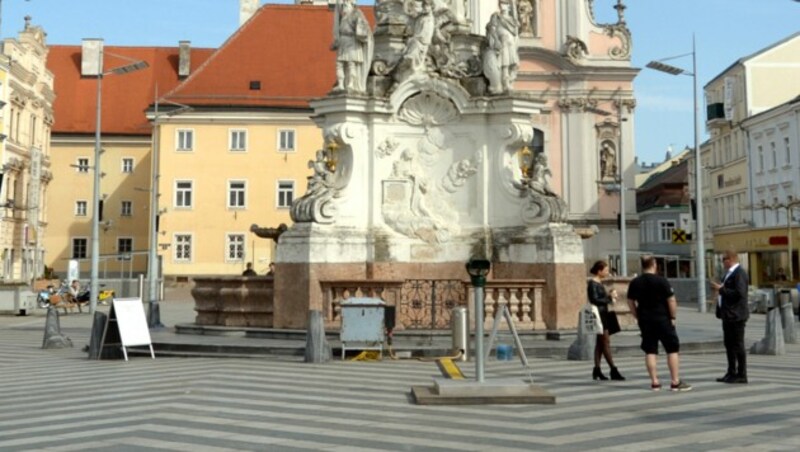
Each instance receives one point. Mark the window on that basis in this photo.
(286, 140)
(80, 208)
(760, 159)
(184, 140)
(79, 247)
(124, 248)
(238, 140)
(665, 229)
(236, 193)
(774, 155)
(183, 193)
(183, 247)
(126, 209)
(83, 165)
(720, 181)
(127, 165)
(285, 193)
(787, 151)
(234, 244)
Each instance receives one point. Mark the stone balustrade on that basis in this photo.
(524, 299)
(234, 301)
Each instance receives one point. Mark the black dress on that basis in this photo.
(600, 298)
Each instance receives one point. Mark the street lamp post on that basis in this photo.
(94, 290)
(698, 233)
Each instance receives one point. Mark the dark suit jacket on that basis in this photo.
(734, 297)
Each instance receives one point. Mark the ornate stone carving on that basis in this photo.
(526, 11)
(387, 148)
(353, 44)
(459, 172)
(578, 103)
(316, 206)
(628, 104)
(575, 49)
(269, 233)
(620, 31)
(501, 58)
(542, 205)
(608, 160)
(428, 109)
(413, 204)
(590, 8)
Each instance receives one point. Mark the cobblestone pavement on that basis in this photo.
(58, 400)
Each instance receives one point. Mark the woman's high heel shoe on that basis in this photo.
(615, 375)
(598, 375)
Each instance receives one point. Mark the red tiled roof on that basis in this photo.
(284, 47)
(125, 97)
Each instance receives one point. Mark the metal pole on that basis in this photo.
(153, 319)
(479, 333)
(698, 179)
(94, 286)
(623, 240)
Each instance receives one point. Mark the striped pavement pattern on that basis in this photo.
(57, 400)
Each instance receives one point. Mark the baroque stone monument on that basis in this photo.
(427, 163)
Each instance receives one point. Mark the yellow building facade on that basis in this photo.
(27, 90)
(218, 176)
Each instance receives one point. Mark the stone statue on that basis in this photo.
(416, 51)
(353, 43)
(527, 18)
(541, 175)
(608, 162)
(501, 60)
(316, 206)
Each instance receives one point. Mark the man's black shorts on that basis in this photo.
(654, 332)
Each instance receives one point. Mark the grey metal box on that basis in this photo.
(362, 324)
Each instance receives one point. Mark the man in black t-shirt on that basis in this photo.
(652, 302)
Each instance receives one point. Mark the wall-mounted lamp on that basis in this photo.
(525, 157)
(332, 156)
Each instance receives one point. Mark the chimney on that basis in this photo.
(91, 57)
(184, 58)
(246, 10)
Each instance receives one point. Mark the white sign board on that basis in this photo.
(73, 271)
(132, 321)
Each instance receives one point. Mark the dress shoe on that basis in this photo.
(597, 374)
(725, 378)
(735, 380)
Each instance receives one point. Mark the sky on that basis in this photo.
(725, 30)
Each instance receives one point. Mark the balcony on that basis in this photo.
(715, 115)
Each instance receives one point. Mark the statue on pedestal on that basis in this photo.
(501, 60)
(353, 44)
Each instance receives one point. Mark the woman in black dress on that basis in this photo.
(600, 298)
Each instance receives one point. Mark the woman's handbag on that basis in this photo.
(613, 323)
(591, 319)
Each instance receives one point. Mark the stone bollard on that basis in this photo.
(317, 348)
(52, 331)
(788, 324)
(772, 343)
(583, 347)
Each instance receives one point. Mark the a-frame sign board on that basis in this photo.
(126, 326)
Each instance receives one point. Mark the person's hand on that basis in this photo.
(715, 285)
(672, 321)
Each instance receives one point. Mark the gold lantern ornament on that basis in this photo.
(332, 156)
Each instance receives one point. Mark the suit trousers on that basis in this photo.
(733, 336)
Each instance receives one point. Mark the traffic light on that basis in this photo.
(694, 209)
(619, 221)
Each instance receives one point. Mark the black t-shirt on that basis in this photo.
(651, 293)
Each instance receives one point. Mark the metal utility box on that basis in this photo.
(16, 299)
(362, 324)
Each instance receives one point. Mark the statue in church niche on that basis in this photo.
(501, 60)
(608, 161)
(353, 44)
(527, 18)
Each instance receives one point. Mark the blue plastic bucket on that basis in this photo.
(504, 352)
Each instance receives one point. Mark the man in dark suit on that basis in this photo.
(733, 310)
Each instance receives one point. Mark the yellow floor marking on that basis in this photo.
(449, 369)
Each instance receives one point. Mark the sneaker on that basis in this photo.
(680, 387)
(655, 387)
